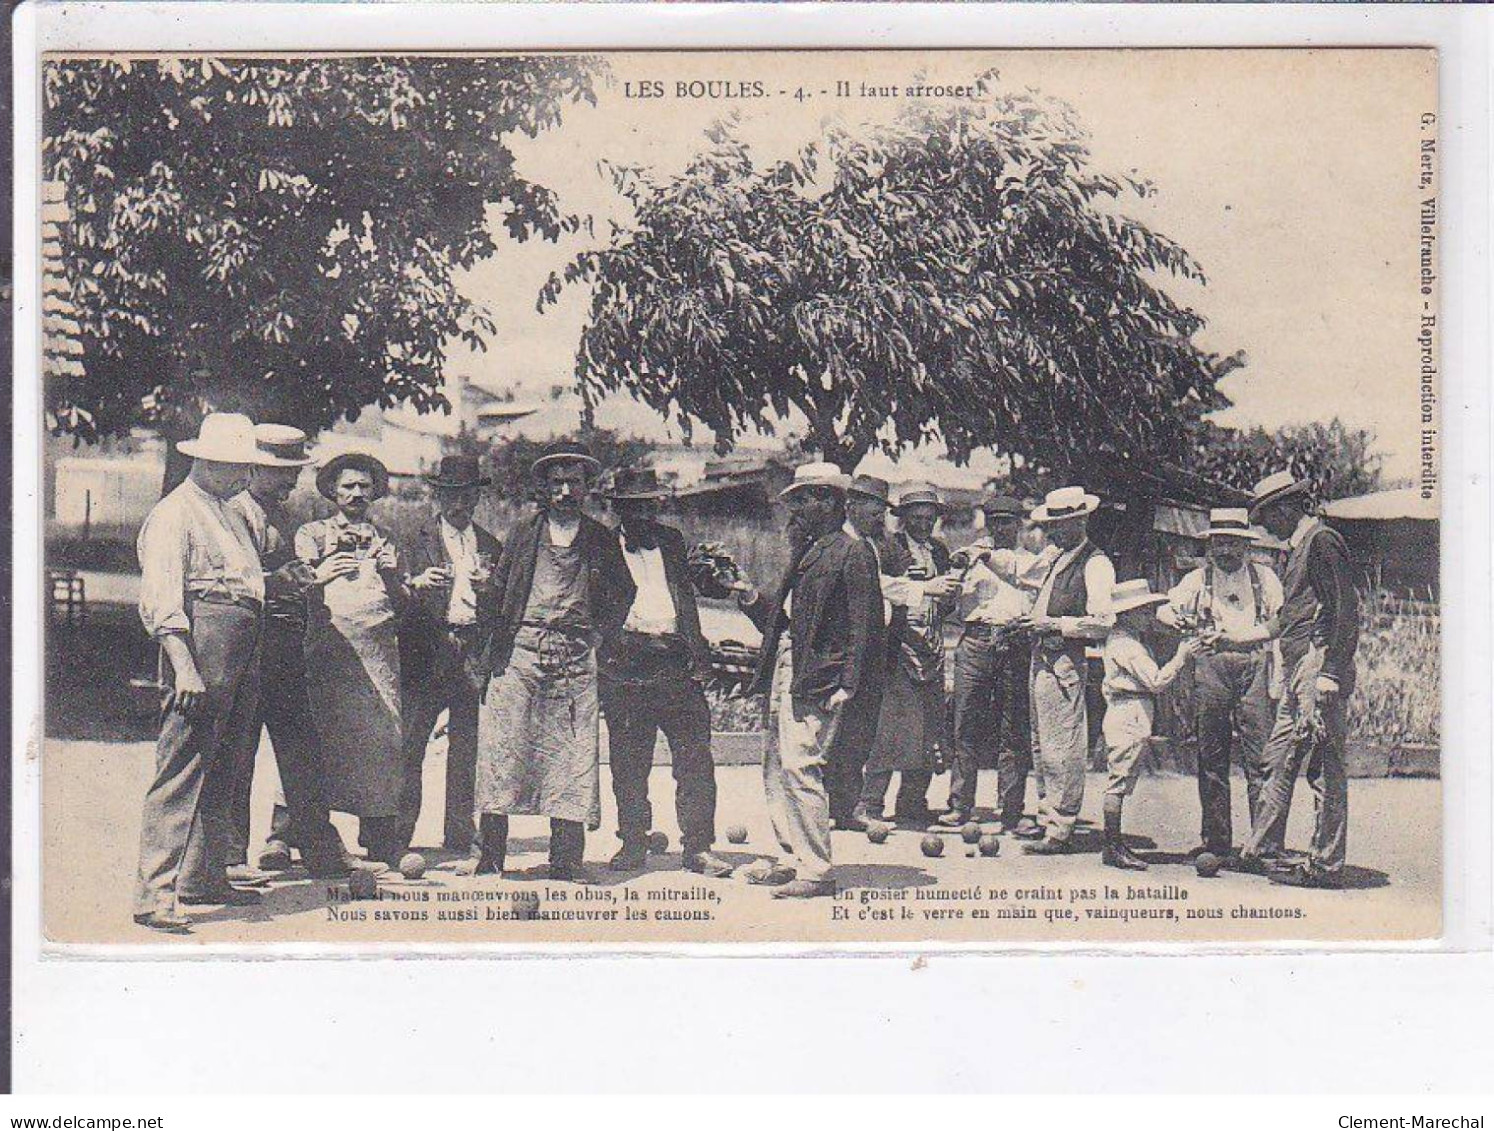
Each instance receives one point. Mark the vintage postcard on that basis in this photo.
(802, 497)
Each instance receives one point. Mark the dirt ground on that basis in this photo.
(889, 893)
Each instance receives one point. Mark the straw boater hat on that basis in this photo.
(328, 473)
(637, 483)
(1065, 503)
(564, 451)
(871, 487)
(280, 445)
(914, 493)
(1274, 488)
(1230, 522)
(458, 471)
(817, 475)
(1134, 594)
(223, 437)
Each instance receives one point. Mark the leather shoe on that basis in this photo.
(631, 857)
(1047, 847)
(766, 873)
(951, 820)
(1118, 855)
(1027, 829)
(167, 922)
(855, 823)
(478, 866)
(246, 876)
(805, 889)
(707, 864)
(228, 897)
(1306, 875)
(564, 873)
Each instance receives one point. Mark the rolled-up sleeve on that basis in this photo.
(163, 548)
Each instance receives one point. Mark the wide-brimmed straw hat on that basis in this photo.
(458, 471)
(913, 494)
(1230, 522)
(564, 451)
(818, 474)
(1134, 594)
(280, 445)
(1274, 488)
(223, 437)
(327, 474)
(1065, 503)
(636, 483)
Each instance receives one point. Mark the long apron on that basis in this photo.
(352, 657)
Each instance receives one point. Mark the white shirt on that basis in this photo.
(895, 590)
(563, 534)
(193, 540)
(1001, 588)
(653, 612)
(1233, 605)
(461, 548)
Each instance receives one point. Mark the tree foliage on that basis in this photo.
(961, 274)
(281, 235)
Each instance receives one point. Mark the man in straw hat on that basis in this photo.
(1133, 680)
(910, 727)
(1318, 630)
(202, 598)
(452, 609)
(992, 665)
(565, 591)
(1231, 689)
(300, 817)
(1071, 609)
(352, 650)
(830, 604)
(652, 679)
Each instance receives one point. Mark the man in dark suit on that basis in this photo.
(651, 678)
(441, 640)
(831, 605)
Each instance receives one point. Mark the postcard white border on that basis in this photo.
(49, 988)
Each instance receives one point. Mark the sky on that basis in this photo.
(1291, 176)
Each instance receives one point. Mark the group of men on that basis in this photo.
(348, 649)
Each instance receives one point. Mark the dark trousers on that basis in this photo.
(671, 702)
(185, 826)
(991, 712)
(284, 711)
(845, 761)
(1294, 747)
(447, 685)
(912, 792)
(1231, 692)
(567, 842)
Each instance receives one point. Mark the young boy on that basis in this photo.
(1132, 682)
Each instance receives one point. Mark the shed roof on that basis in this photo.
(1384, 506)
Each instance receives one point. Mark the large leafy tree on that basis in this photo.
(282, 235)
(961, 274)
